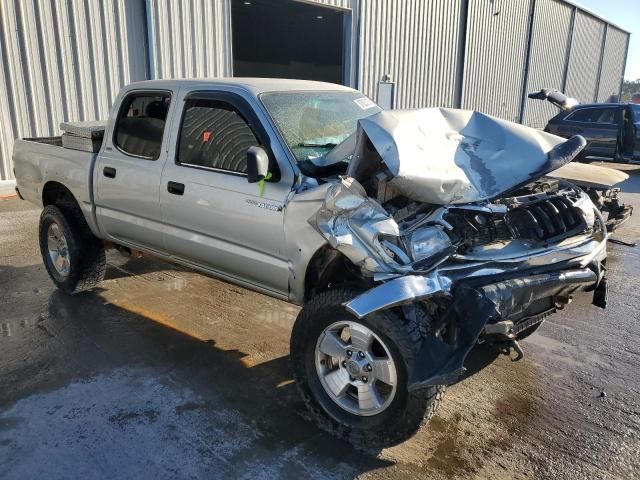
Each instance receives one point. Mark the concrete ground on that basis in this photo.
(165, 373)
(7, 188)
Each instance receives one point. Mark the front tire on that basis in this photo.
(362, 397)
(74, 258)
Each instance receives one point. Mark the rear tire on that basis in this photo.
(74, 258)
(402, 415)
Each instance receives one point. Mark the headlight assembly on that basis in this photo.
(428, 242)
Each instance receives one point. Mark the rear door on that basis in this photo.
(600, 126)
(128, 171)
(214, 218)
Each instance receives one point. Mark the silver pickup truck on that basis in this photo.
(408, 237)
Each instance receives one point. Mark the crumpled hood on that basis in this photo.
(445, 156)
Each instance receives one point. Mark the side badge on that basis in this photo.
(266, 206)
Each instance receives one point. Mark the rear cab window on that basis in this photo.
(140, 124)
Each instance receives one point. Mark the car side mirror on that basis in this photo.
(257, 164)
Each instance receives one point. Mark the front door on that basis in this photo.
(128, 170)
(214, 218)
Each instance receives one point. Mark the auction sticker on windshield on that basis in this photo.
(364, 103)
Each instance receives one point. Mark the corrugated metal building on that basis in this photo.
(66, 59)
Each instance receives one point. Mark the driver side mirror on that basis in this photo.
(257, 164)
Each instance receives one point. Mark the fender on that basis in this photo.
(399, 291)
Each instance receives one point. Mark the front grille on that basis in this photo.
(544, 219)
(479, 228)
(537, 217)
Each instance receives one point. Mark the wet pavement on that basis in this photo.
(165, 373)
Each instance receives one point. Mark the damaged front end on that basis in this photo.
(477, 250)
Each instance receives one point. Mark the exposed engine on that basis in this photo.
(418, 236)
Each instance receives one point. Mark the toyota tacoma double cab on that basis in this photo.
(407, 237)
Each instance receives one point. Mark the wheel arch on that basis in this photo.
(327, 268)
(54, 192)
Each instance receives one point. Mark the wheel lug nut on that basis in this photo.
(344, 363)
(365, 379)
(361, 355)
(349, 353)
(369, 367)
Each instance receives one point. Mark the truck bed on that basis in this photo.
(57, 141)
(39, 161)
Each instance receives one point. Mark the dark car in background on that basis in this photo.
(612, 130)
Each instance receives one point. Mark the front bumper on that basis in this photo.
(485, 292)
(407, 289)
(440, 362)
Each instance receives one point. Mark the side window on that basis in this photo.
(214, 135)
(594, 115)
(584, 115)
(606, 115)
(141, 123)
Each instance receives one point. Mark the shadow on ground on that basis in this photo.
(81, 344)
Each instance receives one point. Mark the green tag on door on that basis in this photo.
(261, 183)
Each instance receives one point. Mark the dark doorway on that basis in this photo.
(287, 39)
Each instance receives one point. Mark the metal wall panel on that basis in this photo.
(344, 4)
(189, 39)
(416, 43)
(549, 48)
(497, 34)
(613, 63)
(584, 59)
(64, 61)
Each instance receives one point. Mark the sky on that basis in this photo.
(625, 14)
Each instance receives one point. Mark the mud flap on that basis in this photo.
(440, 363)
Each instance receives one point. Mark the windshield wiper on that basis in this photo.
(317, 145)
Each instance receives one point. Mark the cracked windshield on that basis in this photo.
(314, 123)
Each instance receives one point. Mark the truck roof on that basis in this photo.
(254, 85)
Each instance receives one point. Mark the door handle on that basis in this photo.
(175, 188)
(109, 172)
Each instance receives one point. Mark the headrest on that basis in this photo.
(157, 109)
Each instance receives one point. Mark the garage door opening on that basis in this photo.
(288, 39)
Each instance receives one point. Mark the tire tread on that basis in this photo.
(88, 253)
(422, 404)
